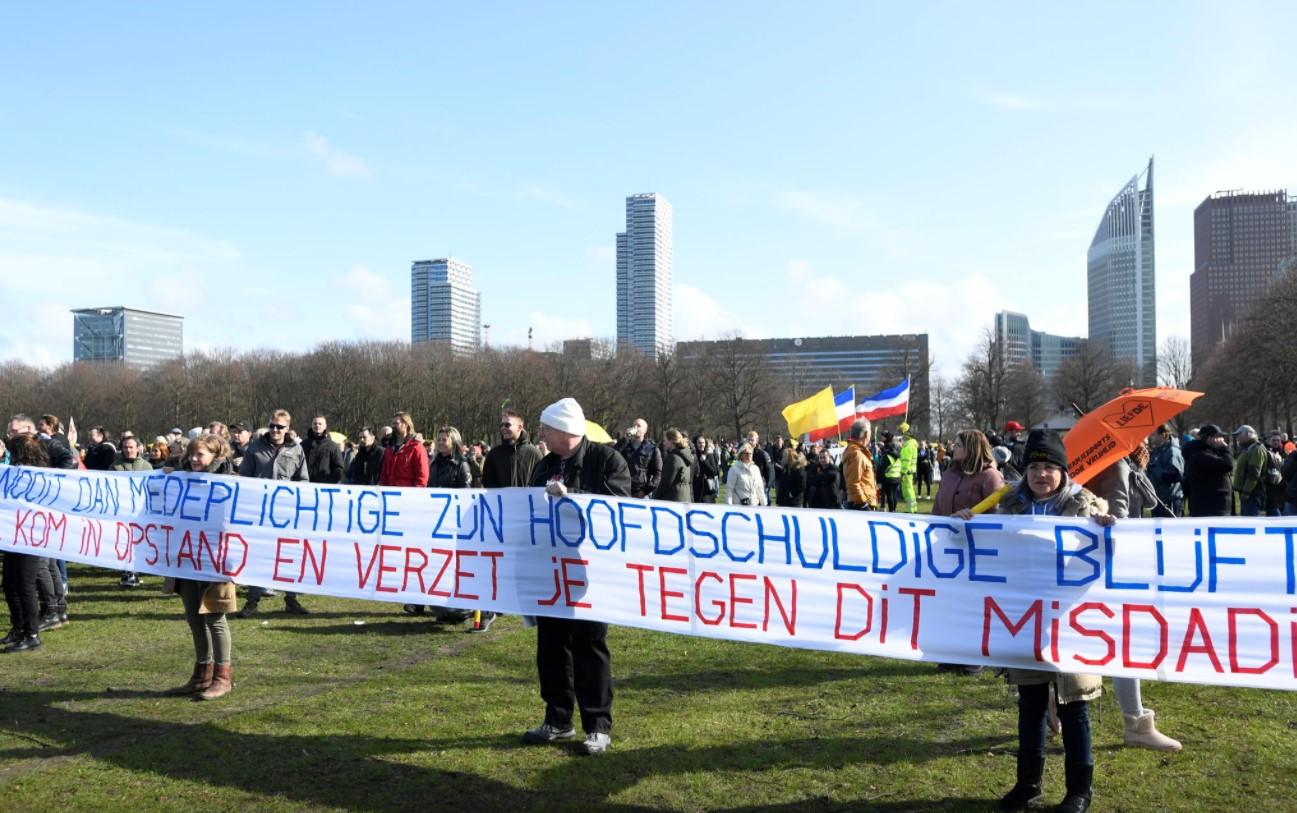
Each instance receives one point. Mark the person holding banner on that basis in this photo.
(1046, 489)
(572, 658)
(971, 478)
(21, 570)
(206, 603)
(274, 456)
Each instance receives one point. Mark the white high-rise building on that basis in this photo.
(644, 276)
(444, 305)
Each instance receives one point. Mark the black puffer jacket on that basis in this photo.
(449, 472)
(366, 465)
(824, 487)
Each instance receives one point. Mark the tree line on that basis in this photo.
(723, 393)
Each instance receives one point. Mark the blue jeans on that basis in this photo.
(1033, 707)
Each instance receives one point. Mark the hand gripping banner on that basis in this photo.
(1200, 601)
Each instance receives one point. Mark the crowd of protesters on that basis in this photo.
(1202, 473)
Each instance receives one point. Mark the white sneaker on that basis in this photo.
(595, 743)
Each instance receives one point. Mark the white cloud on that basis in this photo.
(851, 216)
(369, 301)
(699, 316)
(339, 163)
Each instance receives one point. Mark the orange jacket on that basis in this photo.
(858, 473)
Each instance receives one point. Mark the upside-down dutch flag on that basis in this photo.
(892, 401)
(844, 404)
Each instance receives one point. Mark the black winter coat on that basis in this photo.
(706, 467)
(366, 465)
(644, 465)
(592, 469)
(101, 456)
(323, 459)
(824, 487)
(792, 488)
(1208, 480)
(449, 472)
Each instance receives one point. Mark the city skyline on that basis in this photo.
(301, 186)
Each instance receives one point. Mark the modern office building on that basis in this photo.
(133, 337)
(644, 276)
(1242, 242)
(870, 363)
(444, 305)
(1120, 285)
(1045, 351)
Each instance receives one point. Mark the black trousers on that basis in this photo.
(19, 579)
(575, 669)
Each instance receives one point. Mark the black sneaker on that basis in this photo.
(249, 610)
(25, 645)
(292, 605)
(545, 732)
(484, 623)
(413, 609)
(63, 619)
(15, 635)
(49, 621)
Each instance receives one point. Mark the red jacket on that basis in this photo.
(406, 466)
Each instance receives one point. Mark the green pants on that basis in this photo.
(210, 630)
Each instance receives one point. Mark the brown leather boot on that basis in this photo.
(200, 680)
(221, 683)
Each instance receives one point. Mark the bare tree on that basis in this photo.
(1174, 363)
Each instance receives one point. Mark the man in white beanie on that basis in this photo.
(572, 656)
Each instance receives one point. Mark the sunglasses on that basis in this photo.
(276, 427)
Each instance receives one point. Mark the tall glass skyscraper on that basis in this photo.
(1120, 286)
(444, 305)
(644, 276)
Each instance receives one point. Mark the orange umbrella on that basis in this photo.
(1107, 434)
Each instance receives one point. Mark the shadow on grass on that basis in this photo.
(371, 627)
(367, 773)
(727, 679)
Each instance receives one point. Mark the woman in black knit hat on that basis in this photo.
(1046, 490)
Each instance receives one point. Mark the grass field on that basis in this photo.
(359, 708)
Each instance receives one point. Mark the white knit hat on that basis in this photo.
(565, 415)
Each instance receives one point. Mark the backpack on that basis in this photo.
(1271, 475)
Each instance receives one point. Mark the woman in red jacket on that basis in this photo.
(405, 463)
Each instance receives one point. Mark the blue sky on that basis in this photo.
(270, 170)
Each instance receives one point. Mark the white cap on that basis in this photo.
(565, 415)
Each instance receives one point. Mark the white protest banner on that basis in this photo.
(1203, 601)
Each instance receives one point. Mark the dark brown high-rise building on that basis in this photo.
(1241, 242)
